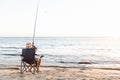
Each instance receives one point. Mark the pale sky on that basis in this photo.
(60, 17)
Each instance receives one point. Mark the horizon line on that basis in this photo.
(55, 36)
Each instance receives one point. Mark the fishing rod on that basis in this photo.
(35, 22)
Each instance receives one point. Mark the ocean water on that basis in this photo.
(65, 51)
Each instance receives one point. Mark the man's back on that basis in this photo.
(28, 55)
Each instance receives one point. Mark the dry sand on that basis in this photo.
(61, 74)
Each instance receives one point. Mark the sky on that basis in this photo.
(60, 18)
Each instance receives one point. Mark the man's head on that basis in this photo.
(29, 45)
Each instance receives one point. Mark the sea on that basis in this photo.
(98, 52)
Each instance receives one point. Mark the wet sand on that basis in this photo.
(58, 72)
(55, 73)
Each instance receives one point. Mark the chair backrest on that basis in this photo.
(28, 55)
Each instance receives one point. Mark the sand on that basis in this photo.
(12, 72)
(48, 73)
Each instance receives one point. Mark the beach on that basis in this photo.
(54, 73)
(10, 71)
(65, 58)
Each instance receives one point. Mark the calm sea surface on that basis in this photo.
(66, 51)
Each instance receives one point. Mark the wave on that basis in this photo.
(11, 54)
(100, 49)
(11, 47)
(77, 62)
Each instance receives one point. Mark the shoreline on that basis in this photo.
(17, 67)
(62, 67)
(6, 65)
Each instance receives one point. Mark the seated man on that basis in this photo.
(29, 54)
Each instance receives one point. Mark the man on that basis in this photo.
(30, 45)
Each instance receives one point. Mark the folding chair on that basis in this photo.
(28, 60)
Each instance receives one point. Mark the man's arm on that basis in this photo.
(35, 48)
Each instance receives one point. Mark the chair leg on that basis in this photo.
(21, 67)
(26, 68)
